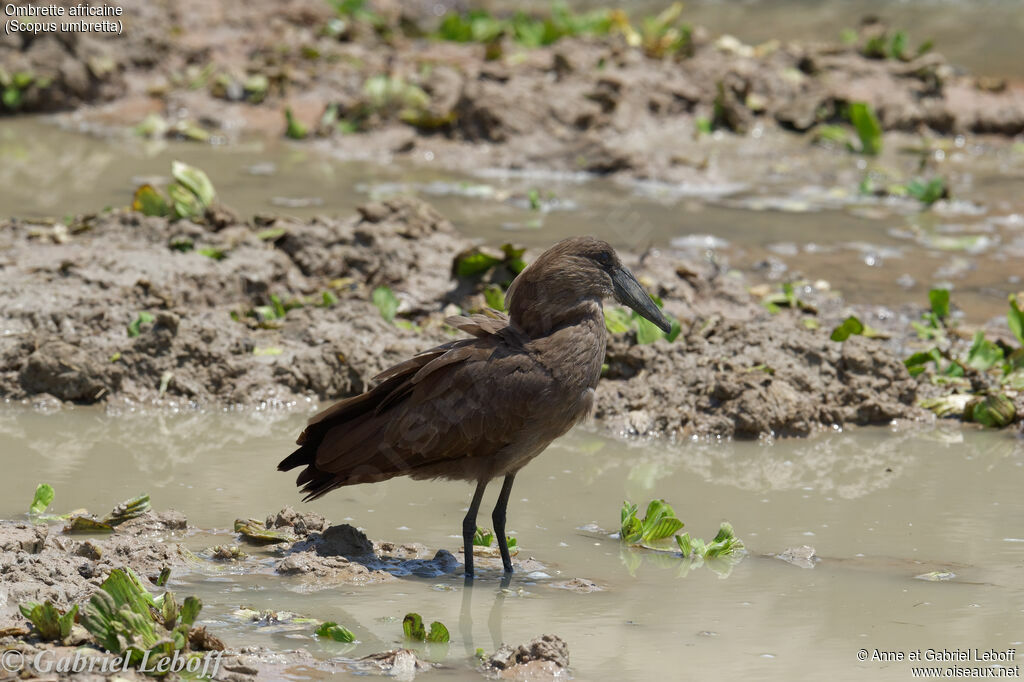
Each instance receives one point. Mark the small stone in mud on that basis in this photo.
(303, 523)
(89, 550)
(402, 664)
(803, 556)
(578, 585)
(544, 657)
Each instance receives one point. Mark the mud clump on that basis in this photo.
(343, 554)
(748, 379)
(735, 369)
(586, 103)
(542, 658)
(40, 563)
(201, 342)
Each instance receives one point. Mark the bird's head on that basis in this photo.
(572, 272)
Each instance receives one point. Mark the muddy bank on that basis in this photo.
(109, 309)
(590, 103)
(42, 563)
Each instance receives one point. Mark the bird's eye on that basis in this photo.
(604, 258)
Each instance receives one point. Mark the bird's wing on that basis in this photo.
(467, 398)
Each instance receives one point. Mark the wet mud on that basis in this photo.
(42, 562)
(593, 103)
(72, 294)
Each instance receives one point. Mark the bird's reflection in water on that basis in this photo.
(493, 620)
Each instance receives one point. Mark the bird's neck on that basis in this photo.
(541, 317)
(570, 343)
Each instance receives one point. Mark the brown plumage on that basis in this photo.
(482, 407)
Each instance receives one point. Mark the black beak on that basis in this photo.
(629, 292)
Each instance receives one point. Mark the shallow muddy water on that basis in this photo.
(880, 507)
(793, 212)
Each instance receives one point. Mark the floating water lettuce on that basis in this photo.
(126, 619)
(619, 320)
(256, 531)
(294, 128)
(475, 262)
(127, 510)
(1015, 318)
(333, 631)
(869, 130)
(483, 539)
(135, 326)
(49, 621)
(386, 302)
(725, 543)
(412, 626)
(659, 522)
(42, 499)
(188, 196)
(983, 354)
(994, 410)
(87, 524)
(852, 326)
(787, 298)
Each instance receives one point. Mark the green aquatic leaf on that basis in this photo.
(994, 410)
(42, 499)
(333, 631)
(898, 47)
(271, 234)
(85, 524)
(918, 362)
(412, 626)
(438, 633)
(184, 203)
(939, 300)
(847, 328)
(255, 531)
(195, 181)
(214, 252)
(474, 262)
(724, 543)
(294, 128)
(647, 331)
(386, 302)
(664, 528)
(127, 510)
(494, 296)
(148, 201)
(928, 192)
(1015, 319)
(617, 320)
(482, 537)
(983, 354)
(135, 327)
(48, 620)
(869, 130)
(948, 405)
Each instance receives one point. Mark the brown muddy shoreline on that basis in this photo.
(591, 103)
(40, 562)
(71, 294)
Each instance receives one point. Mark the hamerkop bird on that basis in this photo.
(479, 408)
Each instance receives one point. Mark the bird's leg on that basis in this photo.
(498, 518)
(469, 527)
